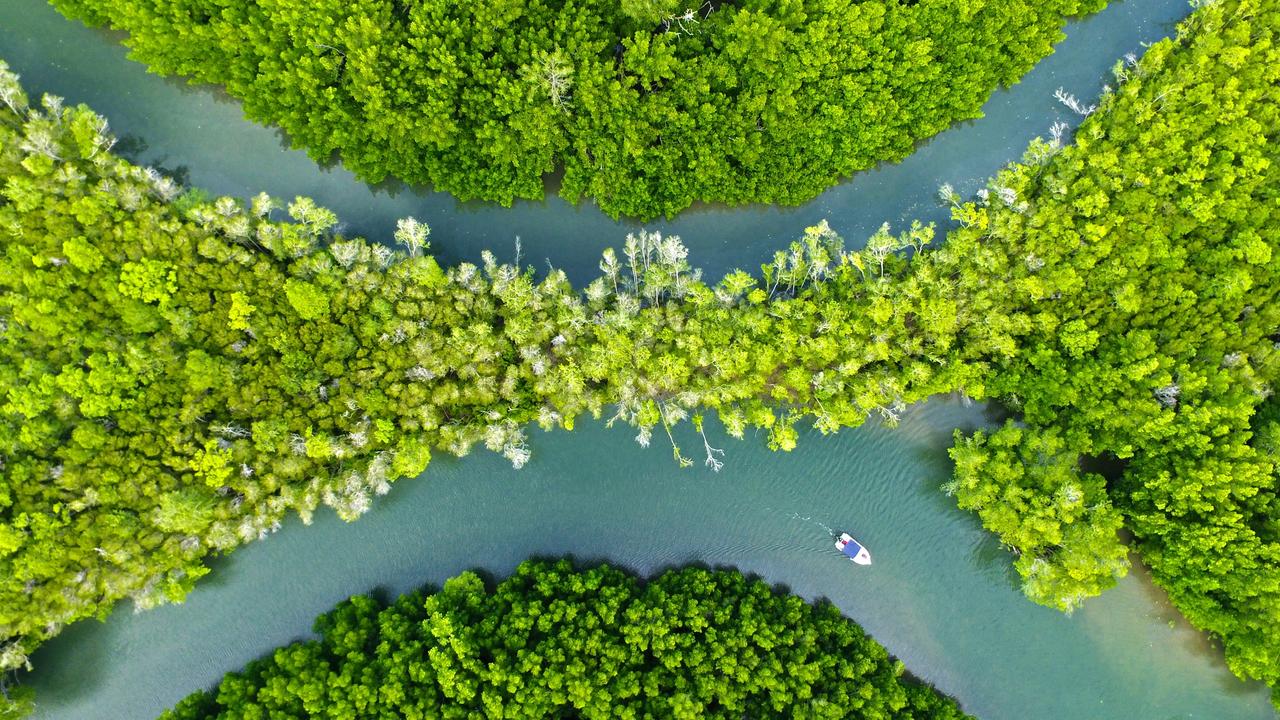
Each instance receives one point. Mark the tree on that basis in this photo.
(646, 106)
(552, 640)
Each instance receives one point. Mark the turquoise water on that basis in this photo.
(201, 132)
(940, 596)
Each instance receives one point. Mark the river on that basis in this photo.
(941, 596)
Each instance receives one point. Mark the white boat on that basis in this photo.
(852, 549)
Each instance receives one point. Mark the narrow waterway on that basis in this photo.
(941, 595)
(200, 133)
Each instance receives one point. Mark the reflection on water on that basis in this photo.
(941, 595)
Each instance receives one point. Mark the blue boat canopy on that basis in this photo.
(852, 548)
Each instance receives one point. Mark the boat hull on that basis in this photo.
(852, 549)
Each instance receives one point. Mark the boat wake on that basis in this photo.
(811, 521)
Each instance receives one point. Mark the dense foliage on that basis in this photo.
(1138, 269)
(1026, 486)
(554, 642)
(645, 105)
(179, 373)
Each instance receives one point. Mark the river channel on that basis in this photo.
(941, 595)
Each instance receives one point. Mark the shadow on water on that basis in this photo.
(222, 569)
(987, 555)
(1110, 467)
(83, 671)
(131, 147)
(996, 414)
(938, 463)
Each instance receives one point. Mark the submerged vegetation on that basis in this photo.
(182, 373)
(644, 105)
(552, 641)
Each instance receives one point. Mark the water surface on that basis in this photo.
(201, 132)
(940, 595)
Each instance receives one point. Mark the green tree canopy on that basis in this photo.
(646, 106)
(1137, 277)
(552, 641)
(181, 373)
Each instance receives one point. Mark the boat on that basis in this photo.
(852, 549)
